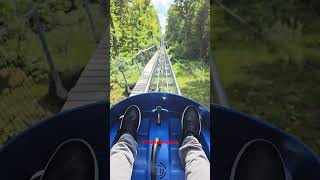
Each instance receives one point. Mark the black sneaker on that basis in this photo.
(258, 160)
(130, 122)
(190, 122)
(74, 159)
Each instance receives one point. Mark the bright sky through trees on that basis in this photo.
(162, 7)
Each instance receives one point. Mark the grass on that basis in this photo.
(20, 108)
(286, 95)
(116, 93)
(194, 80)
(117, 82)
(71, 45)
(230, 60)
(266, 84)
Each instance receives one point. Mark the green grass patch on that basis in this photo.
(278, 82)
(287, 95)
(20, 108)
(194, 80)
(117, 81)
(230, 61)
(70, 44)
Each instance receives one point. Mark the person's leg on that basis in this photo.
(192, 156)
(123, 152)
(122, 157)
(195, 161)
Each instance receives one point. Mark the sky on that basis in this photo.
(162, 7)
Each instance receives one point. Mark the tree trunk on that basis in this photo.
(60, 90)
(115, 41)
(103, 5)
(93, 28)
(107, 36)
(121, 9)
(186, 27)
(220, 95)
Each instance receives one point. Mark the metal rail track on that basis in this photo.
(158, 75)
(163, 77)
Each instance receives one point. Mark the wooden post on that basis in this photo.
(121, 68)
(60, 90)
(94, 32)
(221, 96)
(103, 6)
(137, 63)
(115, 41)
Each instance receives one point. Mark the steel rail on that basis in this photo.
(173, 74)
(147, 88)
(162, 77)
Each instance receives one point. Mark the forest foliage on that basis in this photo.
(283, 26)
(25, 83)
(134, 26)
(19, 44)
(267, 54)
(187, 39)
(188, 29)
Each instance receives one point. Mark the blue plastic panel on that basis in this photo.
(30, 151)
(170, 129)
(233, 129)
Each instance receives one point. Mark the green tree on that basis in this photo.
(135, 25)
(188, 28)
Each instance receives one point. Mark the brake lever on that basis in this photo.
(158, 109)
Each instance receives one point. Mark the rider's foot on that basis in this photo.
(258, 159)
(190, 122)
(130, 122)
(73, 160)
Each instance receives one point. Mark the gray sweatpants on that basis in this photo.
(193, 158)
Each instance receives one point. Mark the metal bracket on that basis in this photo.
(158, 109)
